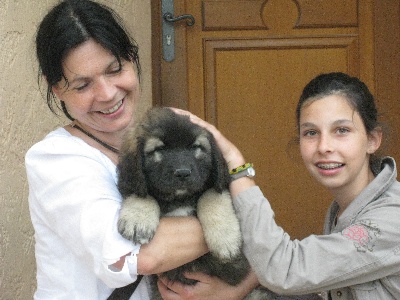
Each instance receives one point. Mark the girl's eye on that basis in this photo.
(342, 130)
(309, 133)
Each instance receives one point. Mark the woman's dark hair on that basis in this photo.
(351, 88)
(71, 23)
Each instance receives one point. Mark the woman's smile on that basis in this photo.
(112, 109)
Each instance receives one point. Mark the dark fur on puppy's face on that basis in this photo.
(178, 160)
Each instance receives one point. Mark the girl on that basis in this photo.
(358, 255)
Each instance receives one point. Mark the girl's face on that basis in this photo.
(335, 146)
(100, 94)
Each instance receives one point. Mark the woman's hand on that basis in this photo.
(207, 288)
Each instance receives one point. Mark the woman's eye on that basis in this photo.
(115, 70)
(81, 87)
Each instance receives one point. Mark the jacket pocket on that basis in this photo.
(370, 291)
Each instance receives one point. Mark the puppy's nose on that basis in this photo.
(182, 173)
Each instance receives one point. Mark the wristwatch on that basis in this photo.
(245, 170)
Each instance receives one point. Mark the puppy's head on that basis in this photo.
(169, 157)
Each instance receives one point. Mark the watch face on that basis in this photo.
(251, 172)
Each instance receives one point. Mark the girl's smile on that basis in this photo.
(329, 168)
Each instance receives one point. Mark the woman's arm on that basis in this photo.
(178, 240)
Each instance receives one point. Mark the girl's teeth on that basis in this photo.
(329, 166)
(112, 109)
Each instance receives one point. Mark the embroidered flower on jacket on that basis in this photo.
(363, 235)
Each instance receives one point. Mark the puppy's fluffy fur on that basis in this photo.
(172, 167)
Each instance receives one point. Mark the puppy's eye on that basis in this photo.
(155, 150)
(198, 151)
(197, 147)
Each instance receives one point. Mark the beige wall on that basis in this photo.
(25, 119)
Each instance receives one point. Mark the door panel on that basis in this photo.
(239, 14)
(251, 94)
(243, 66)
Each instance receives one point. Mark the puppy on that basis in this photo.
(172, 167)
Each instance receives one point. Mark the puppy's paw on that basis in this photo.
(220, 224)
(139, 218)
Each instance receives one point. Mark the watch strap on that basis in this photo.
(245, 170)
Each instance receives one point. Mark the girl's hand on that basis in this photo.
(231, 153)
(207, 288)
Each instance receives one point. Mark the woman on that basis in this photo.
(358, 255)
(91, 65)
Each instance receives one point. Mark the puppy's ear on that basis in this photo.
(220, 171)
(131, 178)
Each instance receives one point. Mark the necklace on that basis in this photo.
(95, 138)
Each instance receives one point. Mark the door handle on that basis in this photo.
(170, 18)
(168, 30)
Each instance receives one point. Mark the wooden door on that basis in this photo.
(242, 66)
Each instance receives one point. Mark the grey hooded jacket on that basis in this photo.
(356, 258)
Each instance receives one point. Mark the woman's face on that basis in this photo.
(334, 144)
(100, 94)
